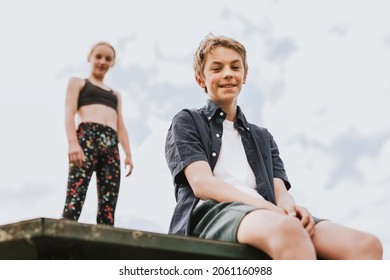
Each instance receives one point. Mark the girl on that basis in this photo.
(94, 145)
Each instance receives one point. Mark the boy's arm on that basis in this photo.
(206, 186)
(286, 202)
(283, 198)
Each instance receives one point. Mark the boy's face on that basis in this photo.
(224, 75)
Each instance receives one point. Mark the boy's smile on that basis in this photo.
(229, 85)
(224, 75)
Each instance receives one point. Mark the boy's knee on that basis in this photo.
(282, 237)
(371, 248)
(292, 240)
(290, 227)
(365, 247)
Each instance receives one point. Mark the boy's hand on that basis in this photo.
(306, 219)
(303, 215)
(290, 210)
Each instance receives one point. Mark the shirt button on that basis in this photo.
(209, 118)
(221, 114)
(247, 128)
(217, 135)
(214, 154)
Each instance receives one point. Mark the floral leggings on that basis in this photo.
(100, 146)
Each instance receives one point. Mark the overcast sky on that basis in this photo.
(318, 80)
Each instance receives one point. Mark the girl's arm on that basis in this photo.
(75, 153)
(124, 138)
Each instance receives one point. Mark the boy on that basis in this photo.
(230, 183)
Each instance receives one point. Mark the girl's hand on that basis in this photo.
(129, 164)
(75, 154)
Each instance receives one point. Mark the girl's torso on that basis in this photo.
(96, 104)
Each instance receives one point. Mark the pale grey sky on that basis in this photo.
(318, 80)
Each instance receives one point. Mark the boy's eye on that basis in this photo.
(99, 56)
(215, 68)
(108, 58)
(236, 67)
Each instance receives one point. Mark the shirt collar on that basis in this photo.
(212, 108)
(241, 120)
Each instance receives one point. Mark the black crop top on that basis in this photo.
(91, 94)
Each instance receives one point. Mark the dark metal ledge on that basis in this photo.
(44, 238)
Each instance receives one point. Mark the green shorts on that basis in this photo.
(220, 221)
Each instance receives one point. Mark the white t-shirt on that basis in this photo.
(232, 165)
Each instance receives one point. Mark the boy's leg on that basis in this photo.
(280, 236)
(334, 241)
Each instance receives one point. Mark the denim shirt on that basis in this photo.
(196, 135)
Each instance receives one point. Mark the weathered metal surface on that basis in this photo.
(45, 238)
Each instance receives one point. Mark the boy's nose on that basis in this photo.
(227, 75)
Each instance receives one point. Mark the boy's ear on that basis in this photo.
(244, 80)
(200, 81)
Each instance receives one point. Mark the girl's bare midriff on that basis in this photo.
(98, 113)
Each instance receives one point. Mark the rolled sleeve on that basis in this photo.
(183, 145)
(277, 163)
